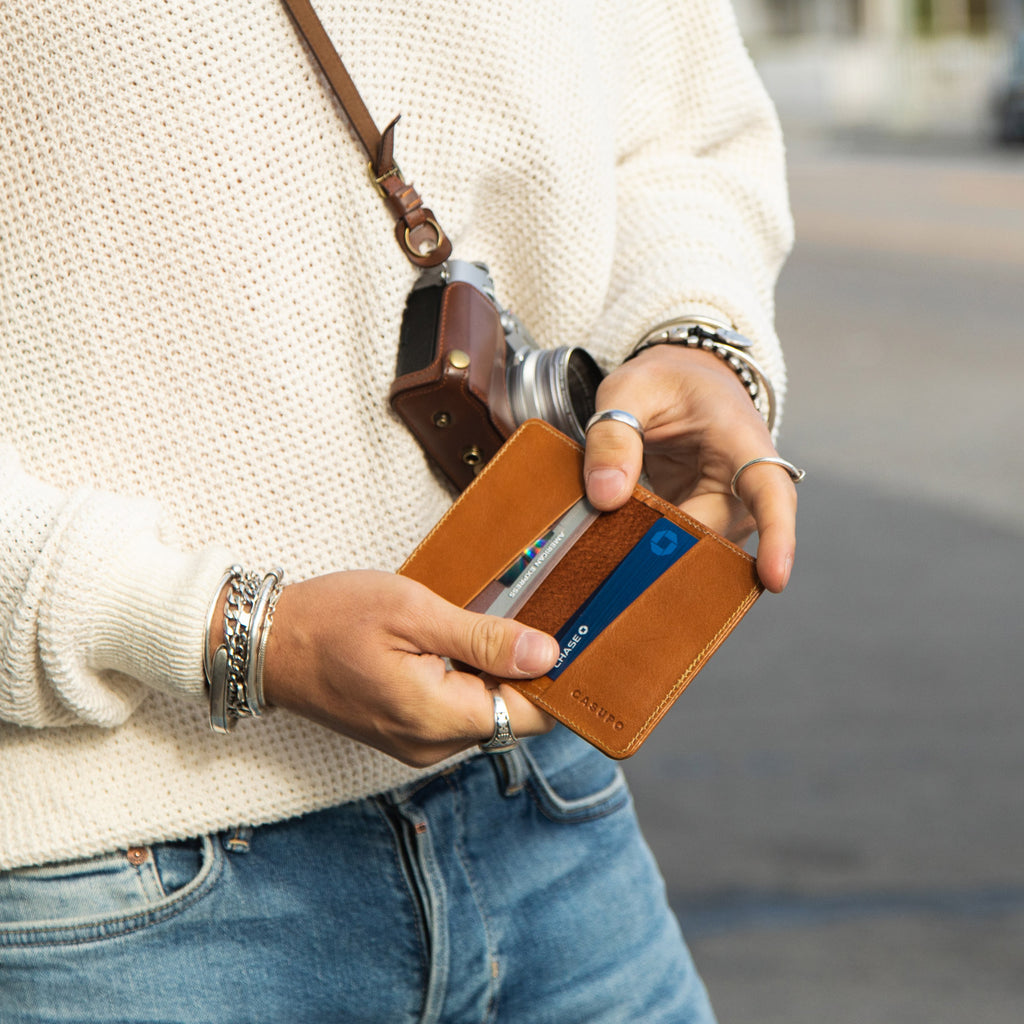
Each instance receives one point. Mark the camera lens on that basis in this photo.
(583, 376)
(558, 385)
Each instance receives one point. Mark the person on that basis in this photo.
(200, 301)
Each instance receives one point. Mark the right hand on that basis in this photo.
(700, 427)
(363, 653)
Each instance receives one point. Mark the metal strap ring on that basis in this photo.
(429, 245)
(796, 475)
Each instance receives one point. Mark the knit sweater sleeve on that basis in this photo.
(94, 608)
(703, 222)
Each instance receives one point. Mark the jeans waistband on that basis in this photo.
(512, 768)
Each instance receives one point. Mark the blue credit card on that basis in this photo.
(659, 549)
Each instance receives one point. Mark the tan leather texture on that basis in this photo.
(417, 231)
(621, 685)
(469, 398)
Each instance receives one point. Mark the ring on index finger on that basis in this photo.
(796, 475)
(619, 416)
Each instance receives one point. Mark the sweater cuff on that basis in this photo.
(122, 608)
(150, 606)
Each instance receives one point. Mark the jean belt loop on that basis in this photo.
(238, 839)
(513, 770)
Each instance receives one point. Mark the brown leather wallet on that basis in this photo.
(627, 676)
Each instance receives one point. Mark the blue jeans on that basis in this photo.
(512, 888)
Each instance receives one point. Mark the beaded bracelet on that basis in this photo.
(724, 342)
(234, 673)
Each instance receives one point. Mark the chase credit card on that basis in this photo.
(658, 550)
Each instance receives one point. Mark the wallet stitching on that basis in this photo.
(656, 501)
(741, 609)
(496, 458)
(581, 726)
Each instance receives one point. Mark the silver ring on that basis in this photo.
(796, 475)
(620, 416)
(504, 738)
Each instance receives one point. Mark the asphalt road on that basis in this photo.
(837, 802)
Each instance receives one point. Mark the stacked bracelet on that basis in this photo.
(723, 341)
(234, 673)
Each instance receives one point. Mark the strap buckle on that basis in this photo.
(394, 171)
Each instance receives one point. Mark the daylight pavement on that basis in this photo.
(838, 800)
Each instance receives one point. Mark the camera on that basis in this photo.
(469, 372)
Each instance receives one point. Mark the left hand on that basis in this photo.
(700, 426)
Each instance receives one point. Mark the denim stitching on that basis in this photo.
(605, 801)
(107, 928)
(148, 868)
(420, 912)
(491, 1011)
(601, 811)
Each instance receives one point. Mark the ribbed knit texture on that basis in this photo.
(200, 299)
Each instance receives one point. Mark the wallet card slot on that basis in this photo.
(591, 561)
(519, 494)
(659, 549)
(615, 692)
(508, 593)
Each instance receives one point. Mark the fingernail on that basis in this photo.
(605, 485)
(534, 653)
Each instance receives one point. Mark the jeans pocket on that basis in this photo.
(101, 897)
(571, 781)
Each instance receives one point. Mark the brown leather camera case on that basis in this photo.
(619, 687)
(453, 406)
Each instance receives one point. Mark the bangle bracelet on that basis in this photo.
(215, 666)
(262, 617)
(234, 673)
(724, 342)
(211, 612)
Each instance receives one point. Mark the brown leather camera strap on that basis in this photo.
(419, 235)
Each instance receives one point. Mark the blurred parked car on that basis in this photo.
(1009, 99)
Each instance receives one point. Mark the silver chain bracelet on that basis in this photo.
(724, 342)
(234, 673)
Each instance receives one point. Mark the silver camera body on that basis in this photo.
(469, 372)
(558, 385)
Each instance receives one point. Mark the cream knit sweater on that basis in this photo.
(200, 297)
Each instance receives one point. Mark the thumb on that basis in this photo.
(612, 463)
(500, 647)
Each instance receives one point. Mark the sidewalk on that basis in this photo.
(837, 801)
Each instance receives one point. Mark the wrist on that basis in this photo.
(237, 630)
(701, 333)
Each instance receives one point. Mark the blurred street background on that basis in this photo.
(838, 800)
